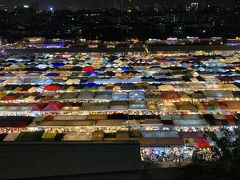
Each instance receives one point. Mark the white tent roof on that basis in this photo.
(73, 136)
(11, 137)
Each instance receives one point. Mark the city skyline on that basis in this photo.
(81, 4)
(120, 89)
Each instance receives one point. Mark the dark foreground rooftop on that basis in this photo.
(51, 160)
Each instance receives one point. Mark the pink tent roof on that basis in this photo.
(197, 135)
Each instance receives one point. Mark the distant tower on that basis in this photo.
(9, 5)
(237, 6)
(3, 7)
(120, 5)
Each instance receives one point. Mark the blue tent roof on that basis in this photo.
(90, 85)
(90, 72)
(124, 69)
(57, 65)
(52, 74)
(45, 81)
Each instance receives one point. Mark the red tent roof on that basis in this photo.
(53, 106)
(202, 143)
(88, 68)
(222, 105)
(230, 117)
(164, 61)
(38, 106)
(205, 107)
(10, 97)
(16, 123)
(52, 87)
(49, 118)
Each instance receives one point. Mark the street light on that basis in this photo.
(51, 9)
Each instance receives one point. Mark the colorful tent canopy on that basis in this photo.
(29, 136)
(91, 85)
(58, 65)
(38, 106)
(48, 136)
(10, 97)
(197, 135)
(201, 143)
(14, 123)
(53, 106)
(52, 74)
(52, 88)
(169, 95)
(88, 69)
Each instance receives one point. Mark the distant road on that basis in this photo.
(195, 48)
(137, 49)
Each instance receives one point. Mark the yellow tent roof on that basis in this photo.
(142, 84)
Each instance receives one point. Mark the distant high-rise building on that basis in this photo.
(120, 5)
(237, 6)
(72, 8)
(194, 6)
(3, 7)
(188, 8)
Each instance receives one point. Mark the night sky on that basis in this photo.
(79, 4)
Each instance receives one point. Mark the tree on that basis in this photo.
(225, 162)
